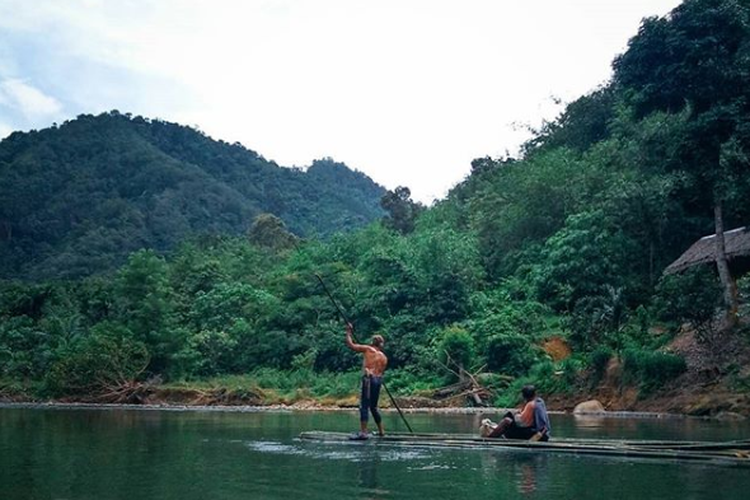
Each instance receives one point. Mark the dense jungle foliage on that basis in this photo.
(76, 199)
(570, 241)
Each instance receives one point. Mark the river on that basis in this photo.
(77, 454)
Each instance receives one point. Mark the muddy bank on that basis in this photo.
(305, 406)
(705, 400)
(715, 406)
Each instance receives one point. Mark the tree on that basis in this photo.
(696, 59)
(456, 349)
(402, 211)
(584, 122)
(76, 200)
(271, 232)
(145, 305)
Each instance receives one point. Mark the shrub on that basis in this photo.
(651, 369)
(457, 346)
(598, 359)
(108, 357)
(661, 367)
(743, 289)
(24, 348)
(690, 297)
(406, 382)
(511, 354)
(571, 373)
(304, 382)
(305, 360)
(508, 325)
(547, 377)
(213, 352)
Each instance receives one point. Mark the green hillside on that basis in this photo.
(564, 246)
(78, 198)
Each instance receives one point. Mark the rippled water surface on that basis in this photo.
(132, 454)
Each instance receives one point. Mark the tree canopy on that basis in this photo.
(78, 198)
(568, 241)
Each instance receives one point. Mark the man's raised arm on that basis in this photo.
(350, 343)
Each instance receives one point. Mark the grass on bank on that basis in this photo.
(274, 386)
(17, 390)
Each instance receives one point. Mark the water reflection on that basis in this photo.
(196, 455)
(368, 480)
(527, 471)
(527, 483)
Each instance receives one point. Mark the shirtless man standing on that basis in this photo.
(373, 364)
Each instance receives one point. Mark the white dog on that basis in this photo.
(486, 427)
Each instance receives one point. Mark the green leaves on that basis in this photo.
(651, 369)
(269, 231)
(695, 55)
(690, 297)
(103, 361)
(569, 240)
(145, 304)
(456, 349)
(402, 211)
(76, 200)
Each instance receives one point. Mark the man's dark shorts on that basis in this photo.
(368, 402)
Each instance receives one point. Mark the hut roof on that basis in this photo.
(702, 251)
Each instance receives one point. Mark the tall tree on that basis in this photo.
(697, 59)
(402, 210)
(270, 231)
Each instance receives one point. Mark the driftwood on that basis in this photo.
(222, 396)
(130, 392)
(7, 394)
(124, 388)
(468, 386)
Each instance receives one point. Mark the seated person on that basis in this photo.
(532, 422)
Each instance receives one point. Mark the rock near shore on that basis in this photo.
(591, 406)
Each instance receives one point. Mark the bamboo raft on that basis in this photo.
(726, 452)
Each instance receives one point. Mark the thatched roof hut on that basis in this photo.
(703, 251)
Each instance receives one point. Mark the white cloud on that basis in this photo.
(30, 101)
(5, 131)
(407, 91)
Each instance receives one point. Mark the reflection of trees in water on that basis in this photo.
(368, 480)
(524, 472)
(614, 427)
(609, 426)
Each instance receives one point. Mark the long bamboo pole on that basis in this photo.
(346, 320)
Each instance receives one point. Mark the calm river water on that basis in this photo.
(150, 454)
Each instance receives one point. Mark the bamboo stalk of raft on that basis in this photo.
(732, 452)
(593, 447)
(336, 436)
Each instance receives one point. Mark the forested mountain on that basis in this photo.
(78, 198)
(566, 244)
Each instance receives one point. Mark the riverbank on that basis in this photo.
(716, 404)
(708, 388)
(305, 407)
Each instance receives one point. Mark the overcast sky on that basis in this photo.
(407, 91)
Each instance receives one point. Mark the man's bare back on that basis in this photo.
(374, 360)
